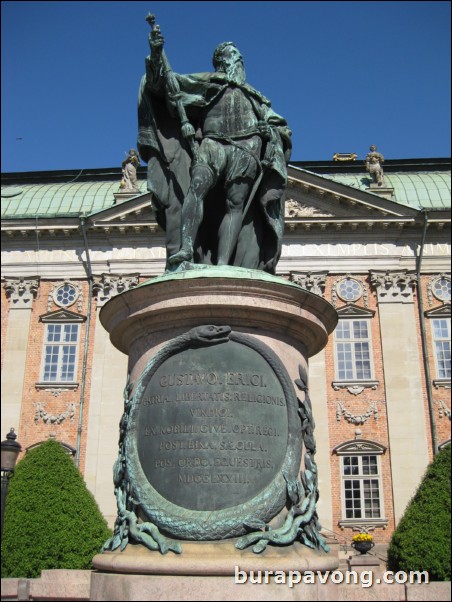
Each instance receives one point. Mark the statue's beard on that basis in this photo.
(236, 73)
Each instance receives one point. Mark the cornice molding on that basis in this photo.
(61, 316)
(359, 446)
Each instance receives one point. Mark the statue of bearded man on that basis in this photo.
(225, 204)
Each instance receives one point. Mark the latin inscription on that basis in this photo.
(213, 427)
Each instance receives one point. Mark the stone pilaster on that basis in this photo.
(318, 392)
(314, 282)
(109, 375)
(403, 377)
(20, 292)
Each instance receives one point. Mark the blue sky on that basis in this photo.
(345, 75)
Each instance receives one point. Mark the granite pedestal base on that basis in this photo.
(205, 571)
(219, 558)
(238, 401)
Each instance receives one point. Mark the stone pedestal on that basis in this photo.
(207, 571)
(219, 558)
(142, 319)
(364, 562)
(214, 434)
(383, 191)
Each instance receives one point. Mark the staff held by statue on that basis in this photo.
(173, 90)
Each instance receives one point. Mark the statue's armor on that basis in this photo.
(232, 114)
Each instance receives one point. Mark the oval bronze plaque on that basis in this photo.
(213, 430)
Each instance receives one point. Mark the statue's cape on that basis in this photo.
(161, 145)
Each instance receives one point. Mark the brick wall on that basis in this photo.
(373, 429)
(34, 428)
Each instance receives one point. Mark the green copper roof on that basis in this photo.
(49, 200)
(421, 190)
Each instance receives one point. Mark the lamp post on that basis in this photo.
(10, 450)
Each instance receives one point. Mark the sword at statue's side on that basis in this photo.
(173, 89)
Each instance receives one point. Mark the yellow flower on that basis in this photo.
(362, 537)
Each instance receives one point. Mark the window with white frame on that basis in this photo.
(353, 349)
(60, 352)
(441, 346)
(361, 487)
(361, 484)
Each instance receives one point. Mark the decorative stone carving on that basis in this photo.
(108, 286)
(295, 208)
(441, 383)
(394, 287)
(443, 410)
(54, 296)
(21, 291)
(349, 448)
(314, 282)
(47, 418)
(439, 287)
(337, 283)
(355, 388)
(363, 527)
(341, 410)
(56, 389)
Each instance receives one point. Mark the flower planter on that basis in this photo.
(362, 546)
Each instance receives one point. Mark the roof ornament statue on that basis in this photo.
(129, 181)
(373, 162)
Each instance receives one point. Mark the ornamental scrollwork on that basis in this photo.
(127, 527)
(314, 282)
(65, 294)
(394, 287)
(108, 286)
(336, 293)
(443, 410)
(49, 418)
(301, 523)
(356, 419)
(439, 288)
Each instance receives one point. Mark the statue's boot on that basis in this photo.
(180, 257)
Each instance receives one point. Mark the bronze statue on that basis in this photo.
(217, 156)
(373, 166)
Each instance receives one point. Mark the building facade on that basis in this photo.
(379, 253)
